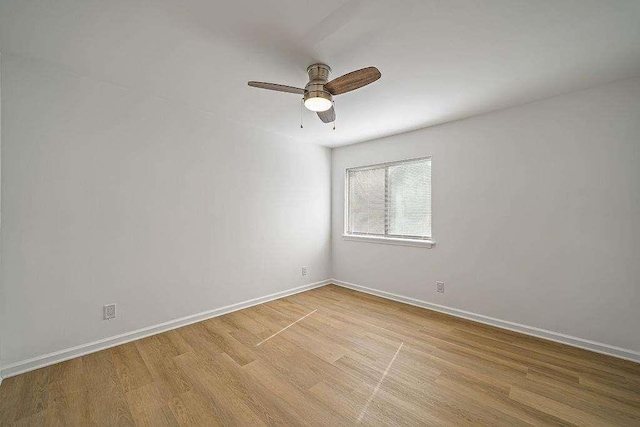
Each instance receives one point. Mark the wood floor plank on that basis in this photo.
(216, 384)
(306, 406)
(11, 391)
(32, 397)
(131, 368)
(329, 356)
(158, 353)
(240, 353)
(285, 357)
(555, 408)
(190, 409)
(66, 403)
(613, 410)
(581, 367)
(149, 407)
(613, 390)
(496, 400)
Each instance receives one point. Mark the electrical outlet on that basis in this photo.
(109, 311)
(440, 287)
(304, 270)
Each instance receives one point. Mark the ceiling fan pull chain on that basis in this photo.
(301, 112)
(334, 117)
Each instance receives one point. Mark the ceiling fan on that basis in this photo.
(318, 93)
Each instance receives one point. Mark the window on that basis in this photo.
(390, 203)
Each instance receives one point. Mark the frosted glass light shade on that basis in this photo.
(317, 104)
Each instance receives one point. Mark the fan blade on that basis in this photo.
(352, 81)
(277, 87)
(327, 116)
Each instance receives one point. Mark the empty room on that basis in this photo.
(319, 213)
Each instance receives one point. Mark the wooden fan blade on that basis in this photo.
(277, 87)
(352, 81)
(327, 116)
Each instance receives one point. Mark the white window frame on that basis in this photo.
(426, 242)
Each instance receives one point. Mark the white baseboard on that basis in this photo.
(22, 366)
(594, 346)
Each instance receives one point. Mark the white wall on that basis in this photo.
(113, 196)
(536, 215)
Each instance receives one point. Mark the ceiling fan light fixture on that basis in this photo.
(317, 103)
(319, 92)
(316, 98)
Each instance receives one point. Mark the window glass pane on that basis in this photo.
(367, 201)
(410, 199)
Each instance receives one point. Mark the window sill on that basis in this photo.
(390, 241)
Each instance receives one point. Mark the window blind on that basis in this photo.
(390, 200)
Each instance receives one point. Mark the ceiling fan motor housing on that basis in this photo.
(318, 76)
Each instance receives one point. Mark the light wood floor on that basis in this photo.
(355, 358)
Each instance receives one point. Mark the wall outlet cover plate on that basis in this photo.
(109, 311)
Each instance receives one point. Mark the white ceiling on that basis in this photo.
(440, 60)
